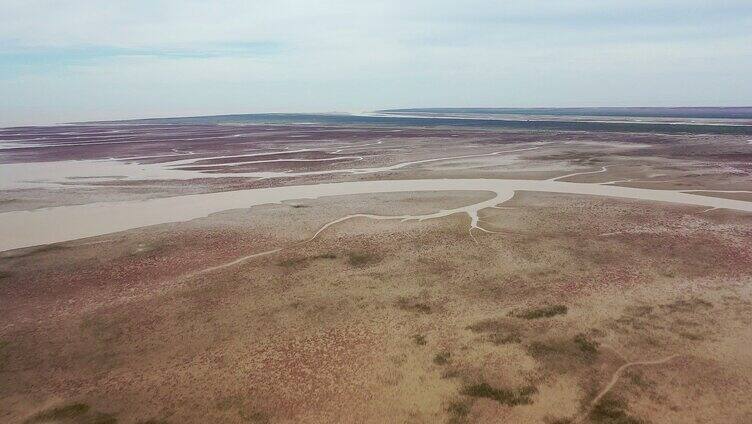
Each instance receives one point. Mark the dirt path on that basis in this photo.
(615, 379)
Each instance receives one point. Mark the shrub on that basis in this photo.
(512, 397)
(543, 312)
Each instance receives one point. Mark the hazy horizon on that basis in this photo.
(121, 60)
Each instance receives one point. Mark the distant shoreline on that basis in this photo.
(464, 120)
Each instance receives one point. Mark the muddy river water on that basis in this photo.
(20, 229)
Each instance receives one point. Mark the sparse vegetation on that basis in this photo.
(150, 249)
(412, 305)
(458, 410)
(60, 413)
(3, 345)
(538, 349)
(639, 310)
(102, 418)
(419, 339)
(551, 420)
(361, 258)
(450, 373)
(512, 397)
(689, 305)
(22, 253)
(691, 336)
(680, 319)
(542, 312)
(586, 345)
(442, 358)
(638, 380)
(558, 421)
(612, 410)
(290, 262)
(104, 329)
(502, 339)
(236, 405)
(254, 417)
(501, 331)
(558, 351)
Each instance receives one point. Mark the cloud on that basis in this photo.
(16, 59)
(71, 60)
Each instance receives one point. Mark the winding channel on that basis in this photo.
(20, 229)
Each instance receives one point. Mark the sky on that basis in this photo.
(75, 60)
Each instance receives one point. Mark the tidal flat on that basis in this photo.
(394, 274)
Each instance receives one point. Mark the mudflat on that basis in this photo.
(396, 274)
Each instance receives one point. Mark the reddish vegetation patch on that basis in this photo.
(293, 374)
(131, 268)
